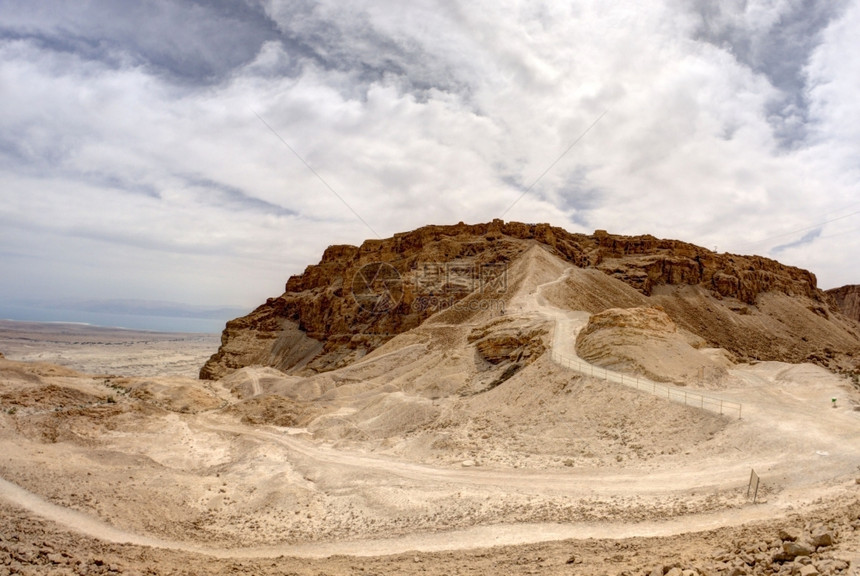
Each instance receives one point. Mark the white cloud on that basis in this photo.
(432, 112)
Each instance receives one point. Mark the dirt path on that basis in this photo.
(802, 447)
(477, 537)
(569, 323)
(788, 404)
(591, 482)
(254, 375)
(348, 467)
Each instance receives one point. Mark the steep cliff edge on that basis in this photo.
(357, 298)
(848, 300)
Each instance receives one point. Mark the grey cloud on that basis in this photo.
(577, 195)
(49, 234)
(192, 42)
(778, 50)
(147, 242)
(807, 238)
(12, 151)
(18, 162)
(232, 198)
(68, 42)
(116, 182)
(206, 42)
(350, 40)
(28, 146)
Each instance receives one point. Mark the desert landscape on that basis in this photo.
(501, 397)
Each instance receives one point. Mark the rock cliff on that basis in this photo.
(848, 300)
(359, 297)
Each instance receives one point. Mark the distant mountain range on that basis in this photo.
(134, 307)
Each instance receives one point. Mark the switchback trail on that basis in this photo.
(568, 324)
(792, 438)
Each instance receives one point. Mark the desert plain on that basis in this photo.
(424, 457)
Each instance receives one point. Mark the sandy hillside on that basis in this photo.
(357, 298)
(460, 446)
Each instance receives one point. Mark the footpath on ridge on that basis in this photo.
(569, 323)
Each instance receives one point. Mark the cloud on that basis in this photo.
(133, 163)
(230, 198)
(187, 42)
(805, 239)
(775, 39)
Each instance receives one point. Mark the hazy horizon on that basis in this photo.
(126, 314)
(205, 152)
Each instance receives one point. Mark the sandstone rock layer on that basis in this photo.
(848, 300)
(358, 298)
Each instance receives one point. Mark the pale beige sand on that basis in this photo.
(405, 451)
(99, 350)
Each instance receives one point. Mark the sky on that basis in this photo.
(203, 152)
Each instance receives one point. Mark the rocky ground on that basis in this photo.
(825, 541)
(184, 464)
(458, 447)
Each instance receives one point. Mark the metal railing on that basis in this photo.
(672, 393)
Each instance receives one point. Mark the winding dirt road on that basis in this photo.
(790, 435)
(477, 537)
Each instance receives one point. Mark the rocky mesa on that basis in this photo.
(359, 297)
(848, 300)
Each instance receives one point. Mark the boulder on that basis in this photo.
(822, 538)
(798, 548)
(787, 535)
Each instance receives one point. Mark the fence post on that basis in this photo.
(753, 485)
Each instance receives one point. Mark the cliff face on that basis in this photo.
(848, 300)
(357, 298)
